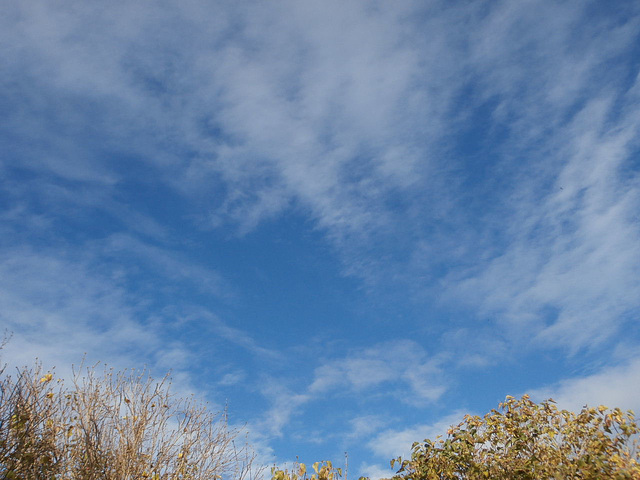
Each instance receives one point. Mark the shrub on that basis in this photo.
(529, 441)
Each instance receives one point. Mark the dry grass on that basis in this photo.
(112, 426)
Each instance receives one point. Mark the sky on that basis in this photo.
(349, 222)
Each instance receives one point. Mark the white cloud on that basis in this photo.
(393, 443)
(615, 386)
(338, 108)
(284, 405)
(232, 378)
(363, 426)
(376, 472)
(401, 361)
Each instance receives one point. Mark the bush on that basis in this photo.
(111, 426)
(529, 441)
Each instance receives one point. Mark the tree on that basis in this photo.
(529, 441)
(111, 426)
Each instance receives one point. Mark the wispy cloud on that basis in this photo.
(401, 362)
(363, 426)
(65, 302)
(399, 369)
(285, 403)
(572, 255)
(279, 119)
(59, 308)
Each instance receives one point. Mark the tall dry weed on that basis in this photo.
(112, 426)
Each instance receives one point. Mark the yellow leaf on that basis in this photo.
(46, 378)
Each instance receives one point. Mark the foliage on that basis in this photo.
(529, 441)
(323, 471)
(111, 426)
(125, 426)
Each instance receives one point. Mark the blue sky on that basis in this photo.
(352, 222)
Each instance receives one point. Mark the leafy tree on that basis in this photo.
(111, 426)
(529, 441)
